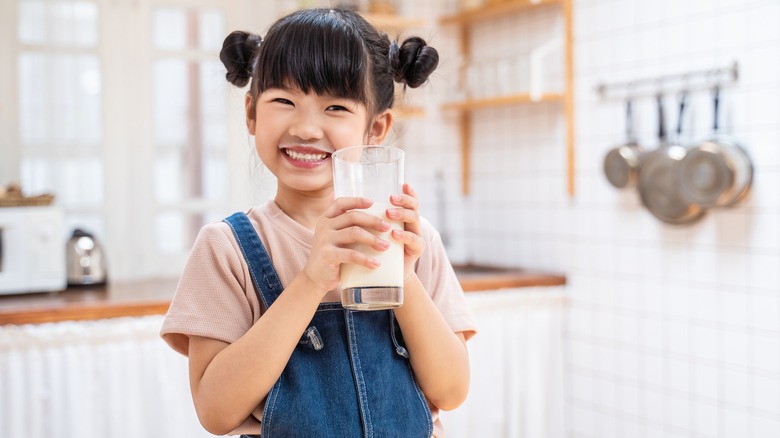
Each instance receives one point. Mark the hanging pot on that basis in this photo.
(657, 176)
(621, 164)
(717, 172)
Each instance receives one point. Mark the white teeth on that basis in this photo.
(305, 157)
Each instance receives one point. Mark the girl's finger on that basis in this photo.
(412, 242)
(346, 255)
(405, 200)
(411, 218)
(356, 234)
(360, 218)
(344, 204)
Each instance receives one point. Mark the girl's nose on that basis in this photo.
(306, 127)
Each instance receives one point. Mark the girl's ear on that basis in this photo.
(380, 127)
(250, 114)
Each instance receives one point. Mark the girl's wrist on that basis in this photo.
(311, 285)
(409, 277)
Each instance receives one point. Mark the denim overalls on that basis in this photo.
(349, 375)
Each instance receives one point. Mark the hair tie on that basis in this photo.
(393, 54)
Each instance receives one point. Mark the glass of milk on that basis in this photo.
(373, 172)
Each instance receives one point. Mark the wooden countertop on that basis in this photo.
(152, 297)
(475, 278)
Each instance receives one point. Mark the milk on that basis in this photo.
(390, 272)
(373, 172)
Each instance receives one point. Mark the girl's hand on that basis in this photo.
(411, 236)
(340, 226)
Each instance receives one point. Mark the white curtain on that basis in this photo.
(116, 378)
(516, 367)
(106, 378)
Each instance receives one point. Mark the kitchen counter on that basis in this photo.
(152, 297)
(477, 278)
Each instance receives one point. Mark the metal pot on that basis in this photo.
(717, 172)
(85, 260)
(621, 164)
(657, 176)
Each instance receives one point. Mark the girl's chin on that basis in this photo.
(310, 184)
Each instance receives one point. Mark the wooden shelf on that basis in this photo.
(511, 99)
(496, 10)
(464, 20)
(393, 22)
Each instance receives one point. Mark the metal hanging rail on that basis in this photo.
(657, 84)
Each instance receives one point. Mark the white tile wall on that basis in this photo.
(673, 331)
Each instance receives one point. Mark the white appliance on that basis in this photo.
(32, 250)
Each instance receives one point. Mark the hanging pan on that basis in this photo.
(657, 175)
(621, 164)
(717, 172)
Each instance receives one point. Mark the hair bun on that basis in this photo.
(237, 54)
(413, 61)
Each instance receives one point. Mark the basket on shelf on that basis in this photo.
(12, 196)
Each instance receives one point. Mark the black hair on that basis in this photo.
(331, 52)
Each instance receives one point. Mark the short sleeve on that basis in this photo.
(211, 298)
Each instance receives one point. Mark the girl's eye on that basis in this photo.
(337, 108)
(283, 101)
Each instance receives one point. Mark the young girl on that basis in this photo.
(270, 348)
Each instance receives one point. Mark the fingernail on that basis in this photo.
(396, 233)
(396, 198)
(384, 225)
(391, 213)
(384, 244)
(373, 262)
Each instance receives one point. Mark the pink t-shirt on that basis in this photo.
(215, 297)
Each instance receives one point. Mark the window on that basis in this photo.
(120, 108)
(189, 126)
(60, 105)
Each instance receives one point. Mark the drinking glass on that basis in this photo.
(373, 172)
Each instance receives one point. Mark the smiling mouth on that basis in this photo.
(307, 157)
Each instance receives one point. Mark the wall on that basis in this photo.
(672, 331)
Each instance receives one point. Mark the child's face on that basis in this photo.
(295, 134)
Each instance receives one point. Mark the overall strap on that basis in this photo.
(266, 281)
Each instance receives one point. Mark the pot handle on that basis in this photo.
(683, 100)
(629, 121)
(716, 108)
(659, 98)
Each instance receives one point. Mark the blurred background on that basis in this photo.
(119, 108)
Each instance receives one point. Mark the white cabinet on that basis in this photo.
(517, 381)
(93, 379)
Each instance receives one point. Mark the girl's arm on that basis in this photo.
(228, 381)
(438, 355)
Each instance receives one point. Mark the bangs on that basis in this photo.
(314, 52)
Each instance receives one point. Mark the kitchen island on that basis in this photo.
(152, 297)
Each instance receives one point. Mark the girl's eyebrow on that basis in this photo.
(337, 97)
(284, 89)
